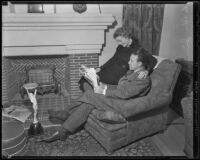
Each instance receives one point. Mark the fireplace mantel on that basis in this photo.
(53, 34)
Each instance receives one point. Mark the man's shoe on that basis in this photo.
(62, 115)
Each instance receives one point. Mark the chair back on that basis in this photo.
(164, 78)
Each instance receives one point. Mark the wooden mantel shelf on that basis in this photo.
(12, 21)
(49, 34)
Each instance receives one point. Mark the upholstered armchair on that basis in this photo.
(187, 105)
(140, 117)
(44, 76)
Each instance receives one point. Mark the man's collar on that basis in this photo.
(130, 72)
(139, 70)
(135, 71)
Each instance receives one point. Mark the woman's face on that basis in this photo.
(122, 41)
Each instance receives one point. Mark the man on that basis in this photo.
(103, 97)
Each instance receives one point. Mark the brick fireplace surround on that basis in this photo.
(66, 41)
(67, 71)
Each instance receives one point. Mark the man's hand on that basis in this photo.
(143, 74)
(103, 86)
(98, 89)
(98, 69)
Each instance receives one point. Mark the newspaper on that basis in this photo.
(90, 75)
(20, 113)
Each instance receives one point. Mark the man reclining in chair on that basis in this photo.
(103, 98)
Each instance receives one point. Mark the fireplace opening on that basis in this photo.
(66, 72)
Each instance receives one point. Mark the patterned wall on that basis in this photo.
(67, 71)
(9, 82)
(19, 64)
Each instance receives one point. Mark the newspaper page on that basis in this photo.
(90, 75)
(20, 113)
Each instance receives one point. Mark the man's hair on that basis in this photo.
(121, 31)
(143, 56)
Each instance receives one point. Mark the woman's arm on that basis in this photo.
(111, 61)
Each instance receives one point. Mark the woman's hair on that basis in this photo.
(143, 56)
(121, 31)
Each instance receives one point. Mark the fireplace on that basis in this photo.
(66, 41)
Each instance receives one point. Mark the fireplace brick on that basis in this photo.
(9, 82)
(67, 71)
(75, 61)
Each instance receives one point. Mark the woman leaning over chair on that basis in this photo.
(117, 65)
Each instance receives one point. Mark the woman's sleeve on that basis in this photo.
(111, 61)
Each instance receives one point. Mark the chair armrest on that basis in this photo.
(140, 105)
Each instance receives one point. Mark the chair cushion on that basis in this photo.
(159, 60)
(108, 116)
(144, 104)
(41, 75)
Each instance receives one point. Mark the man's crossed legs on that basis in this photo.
(72, 118)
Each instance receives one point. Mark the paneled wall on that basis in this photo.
(177, 33)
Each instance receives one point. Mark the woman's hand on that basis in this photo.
(143, 74)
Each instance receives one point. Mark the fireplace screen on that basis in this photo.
(45, 77)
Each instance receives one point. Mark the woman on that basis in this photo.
(116, 66)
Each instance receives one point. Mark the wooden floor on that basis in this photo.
(172, 141)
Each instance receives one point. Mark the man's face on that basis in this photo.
(122, 41)
(133, 62)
